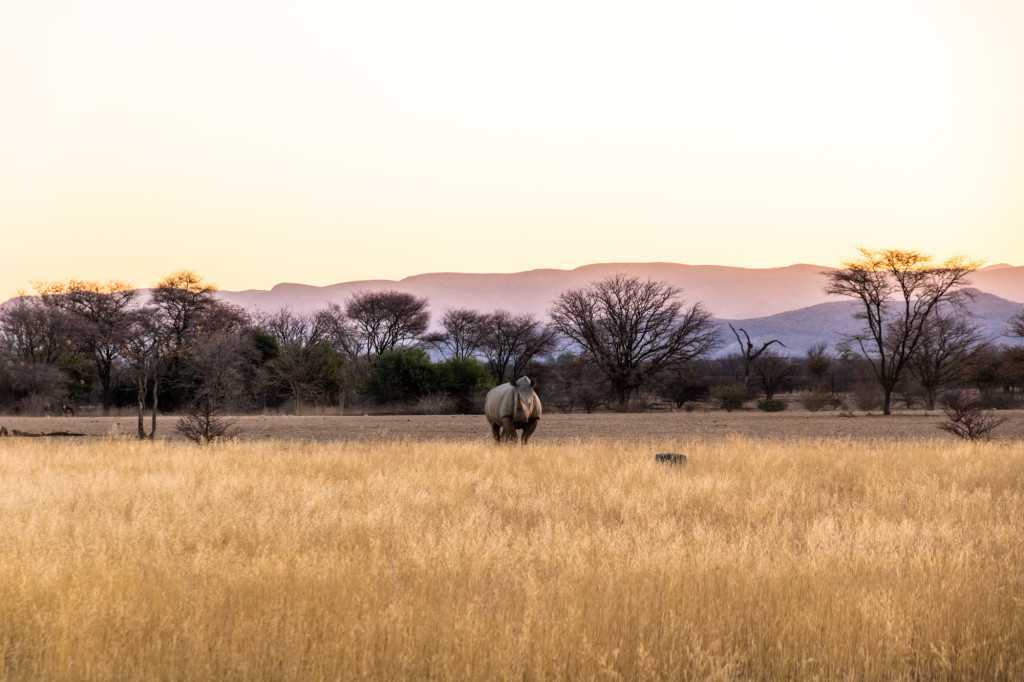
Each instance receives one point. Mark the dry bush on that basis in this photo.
(966, 418)
(828, 559)
(204, 426)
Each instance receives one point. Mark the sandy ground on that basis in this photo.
(659, 426)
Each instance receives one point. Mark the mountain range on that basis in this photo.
(728, 292)
(833, 322)
(788, 303)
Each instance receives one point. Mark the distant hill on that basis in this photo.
(789, 303)
(832, 322)
(728, 292)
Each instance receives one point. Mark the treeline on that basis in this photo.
(620, 343)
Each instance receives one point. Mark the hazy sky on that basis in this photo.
(321, 141)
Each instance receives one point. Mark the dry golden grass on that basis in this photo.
(456, 560)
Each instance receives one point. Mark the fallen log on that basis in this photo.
(15, 433)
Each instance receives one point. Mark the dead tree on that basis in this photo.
(632, 329)
(899, 292)
(748, 353)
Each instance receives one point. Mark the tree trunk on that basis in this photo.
(106, 392)
(140, 387)
(156, 400)
(887, 401)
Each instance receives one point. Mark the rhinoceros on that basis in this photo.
(512, 406)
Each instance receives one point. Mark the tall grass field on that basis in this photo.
(285, 560)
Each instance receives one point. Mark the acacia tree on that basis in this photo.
(899, 292)
(946, 347)
(385, 320)
(631, 329)
(100, 313)
(33, 332)
(748, 352)
(509, 343)
(183, 299)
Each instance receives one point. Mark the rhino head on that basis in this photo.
(524, 398)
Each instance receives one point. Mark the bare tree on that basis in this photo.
(509, 343)
(899, 291)
(463, 333)
(101, 313)
(948, 342)
(632, 329)
(385, 320)
(749, 353)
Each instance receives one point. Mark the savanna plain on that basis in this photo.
(799, 557)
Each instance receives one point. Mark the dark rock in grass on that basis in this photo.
(670, 458)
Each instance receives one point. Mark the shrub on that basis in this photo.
(462, 381)
(965, 417)
(403, 376)
(203, 425)
(771, 405)
(730, 396)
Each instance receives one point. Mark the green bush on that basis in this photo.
(730, 396)
(771, 405)
(463, 381)
(401, 376)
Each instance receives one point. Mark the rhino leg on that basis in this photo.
(528, 430)
(508, 430)
(496, 432)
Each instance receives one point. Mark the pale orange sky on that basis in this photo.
(323, 141)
